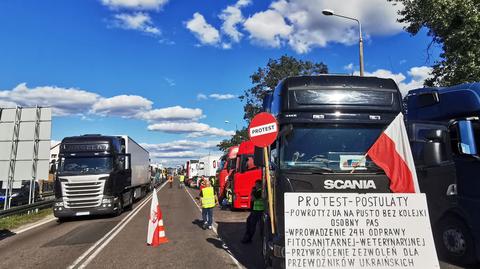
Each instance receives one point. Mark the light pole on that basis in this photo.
(329, 12)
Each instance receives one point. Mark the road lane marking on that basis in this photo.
(110, 235)
(215, 225)
(34, 226)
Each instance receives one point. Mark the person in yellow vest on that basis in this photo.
(209, 200)
(256, 213)
(181, 179)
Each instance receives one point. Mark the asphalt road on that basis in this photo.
(120, 242)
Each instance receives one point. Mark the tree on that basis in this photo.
(453, 24)
(265, 80)
(236, 139)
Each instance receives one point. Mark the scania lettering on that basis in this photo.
(349, 184)
(444, 131)
(326, 125)
(99, 175)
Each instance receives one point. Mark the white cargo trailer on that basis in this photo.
(207, 166)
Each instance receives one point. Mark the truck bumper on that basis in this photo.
(60, 211)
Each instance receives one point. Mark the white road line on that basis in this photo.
(215, 225)
(111, 233)
(34, 226)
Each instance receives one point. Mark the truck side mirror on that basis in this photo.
(124, 161)
(258, 157)
(467, 143)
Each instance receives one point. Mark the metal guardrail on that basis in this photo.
(24, 208)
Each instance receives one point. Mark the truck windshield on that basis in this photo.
(85, 165)
(329, 148)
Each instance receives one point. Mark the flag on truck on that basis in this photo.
(392, 153)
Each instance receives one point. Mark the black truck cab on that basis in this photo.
(327, 123)
(444, 130)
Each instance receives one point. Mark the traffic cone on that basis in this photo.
(156, 230)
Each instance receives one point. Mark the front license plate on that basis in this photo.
(82, 213)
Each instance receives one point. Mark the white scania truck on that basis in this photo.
(99, 175)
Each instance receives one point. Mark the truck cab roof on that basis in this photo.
(444, 103)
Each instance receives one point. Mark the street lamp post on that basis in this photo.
(329, 12)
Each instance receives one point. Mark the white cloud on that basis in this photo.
(181, 145)
(175, 113)
(138, 21)
(179, 151)
(417, 75)
(64, 101)
(205, 33)
(348, 67)
(218, 96)
(6, 104)
(135, 4)
(193, 129)
(169, 81)
(268, 28)
(122, 105)
(201, 96)
(301, 24)
(232, 17)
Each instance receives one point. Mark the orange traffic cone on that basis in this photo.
(156, 230)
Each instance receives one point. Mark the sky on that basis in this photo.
(168, 73)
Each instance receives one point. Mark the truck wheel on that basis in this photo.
(130, 201)
(455, 241)
(120, 207)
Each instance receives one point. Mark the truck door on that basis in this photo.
(431, 149)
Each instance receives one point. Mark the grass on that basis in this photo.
(12, 222)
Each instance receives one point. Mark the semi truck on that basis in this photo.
(245, 176)
(225, 169)
(207, 166)
(326, 125)
(191, 168)
(99, 175)
(444, 130)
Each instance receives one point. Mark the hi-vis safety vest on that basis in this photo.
(208, 197)
(258, 204)
(182, 178)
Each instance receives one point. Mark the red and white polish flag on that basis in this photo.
(392, 153)
(153, 221)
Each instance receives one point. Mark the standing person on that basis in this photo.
(256, 213)
(181, 179)
(209, 200)
(170, 180)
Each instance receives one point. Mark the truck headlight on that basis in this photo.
(106, 201)
(59, 204)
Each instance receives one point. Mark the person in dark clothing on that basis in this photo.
(256, 213)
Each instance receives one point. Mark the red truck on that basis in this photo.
(225, 169)
(245, 176)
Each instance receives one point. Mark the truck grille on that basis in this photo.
(83, 194)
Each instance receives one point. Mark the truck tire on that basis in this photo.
(130, 199)
(120, 207)
(454, 241)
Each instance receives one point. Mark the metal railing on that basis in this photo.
(25, 208)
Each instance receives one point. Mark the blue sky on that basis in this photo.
(168, 72)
